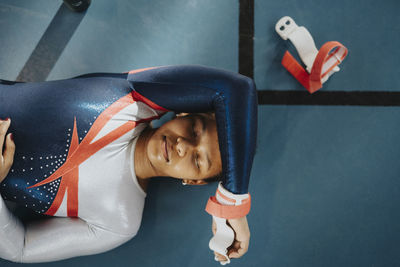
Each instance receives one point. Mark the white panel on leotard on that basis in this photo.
(62, 210)
(134, 112)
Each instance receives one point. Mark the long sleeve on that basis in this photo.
(52, 239)
(231, 96)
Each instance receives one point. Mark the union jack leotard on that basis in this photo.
(75, 141)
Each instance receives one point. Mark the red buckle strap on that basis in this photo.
(228, 212)
(329, 56)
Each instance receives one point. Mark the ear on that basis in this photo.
(194, 182)
(182, 114)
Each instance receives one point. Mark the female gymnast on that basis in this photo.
(84, 154)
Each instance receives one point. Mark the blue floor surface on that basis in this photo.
(325, 181)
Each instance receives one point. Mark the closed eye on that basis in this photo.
(194, 129)
(196, 160)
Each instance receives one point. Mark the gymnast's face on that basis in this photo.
(186, 147)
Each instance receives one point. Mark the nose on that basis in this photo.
(182, 146)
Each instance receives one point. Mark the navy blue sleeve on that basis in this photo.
(233, 98)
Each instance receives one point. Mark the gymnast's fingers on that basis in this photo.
(3, 130)
(219, 256)
(242, 237)
(9, 152)
(214, 227)
(238, 249)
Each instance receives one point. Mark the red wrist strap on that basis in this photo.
(323, 64)
(228, 212)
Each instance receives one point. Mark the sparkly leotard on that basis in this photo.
(75, 140)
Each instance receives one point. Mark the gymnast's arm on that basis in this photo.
(52, 239)
(231, 96)
(47, 239)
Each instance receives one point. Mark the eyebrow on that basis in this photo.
(203, 122)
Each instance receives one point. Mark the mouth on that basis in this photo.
(164, 148)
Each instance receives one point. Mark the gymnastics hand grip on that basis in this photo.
(225, 205)
(223, 238)
(320, 65)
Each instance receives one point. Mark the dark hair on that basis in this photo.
(215, 178)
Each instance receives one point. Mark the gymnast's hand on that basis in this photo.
(242, 238)
(7, 157)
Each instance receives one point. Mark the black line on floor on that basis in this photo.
(323, 98)
(51, 45)
(246, 38)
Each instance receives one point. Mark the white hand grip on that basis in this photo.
(222, 239)
(301, 38)
(285, 26)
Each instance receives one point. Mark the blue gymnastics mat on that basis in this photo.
(325, 181)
